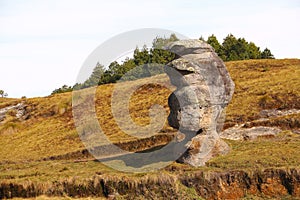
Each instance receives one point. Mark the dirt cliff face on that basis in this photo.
(269, 183)
(238, 184)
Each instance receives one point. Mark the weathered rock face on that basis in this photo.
(204, 89)
(240, 133)
(20, 111)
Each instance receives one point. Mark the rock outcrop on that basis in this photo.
(20, 111)
(240, 133)
(204, 89)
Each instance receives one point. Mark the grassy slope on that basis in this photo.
(263, 84)
(50, 131)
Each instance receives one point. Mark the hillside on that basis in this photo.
(41, 149)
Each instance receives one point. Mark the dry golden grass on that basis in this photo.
(50, 130)
(139, 104)
(263, 84)
(4, 102)
(279, 152)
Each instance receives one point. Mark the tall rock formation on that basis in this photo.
(204, 89)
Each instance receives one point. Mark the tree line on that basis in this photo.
(144, 61)
(234, 48)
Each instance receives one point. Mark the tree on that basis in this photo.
(213, 41)
(138, 66)
(254, 51)
(62, 89)
(242, 49)
(266, 54)
(160, 42)
(142, 59)
(105, 78)
(147, 62)
(230, 44)
(115, 71)
(128, 64)
(94, 78)
(128, 67)
(159, 56)
(141, 56)
(202, 38)
(3, 94)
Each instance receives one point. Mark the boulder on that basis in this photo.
(204, 89)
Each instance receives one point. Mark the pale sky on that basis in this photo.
(43, 44)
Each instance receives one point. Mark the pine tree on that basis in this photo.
(160, 42)
(95, 77)
(242, 49)
(253, 51)
(142, 56)
(213, 41)
(230, 44)
(266, 54)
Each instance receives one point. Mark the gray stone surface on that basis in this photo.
(240, 133)
(204, 89)
(20, 109)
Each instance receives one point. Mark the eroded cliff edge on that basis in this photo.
(237, 184)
